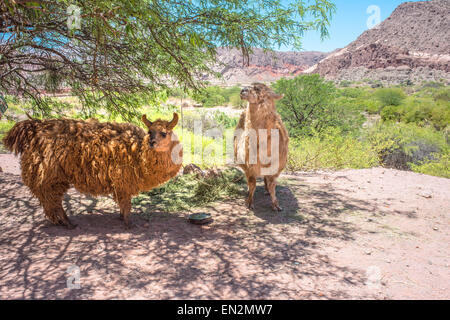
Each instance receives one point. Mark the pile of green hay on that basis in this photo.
(189, 191)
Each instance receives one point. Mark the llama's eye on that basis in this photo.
(163, 134)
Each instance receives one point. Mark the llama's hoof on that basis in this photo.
(267, 193)
(71, 226)
(251, 206)
(277, 208)
(129, 225)
(120, 217)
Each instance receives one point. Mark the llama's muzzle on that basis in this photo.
(244, 93)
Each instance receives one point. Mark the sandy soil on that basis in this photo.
(353, 234)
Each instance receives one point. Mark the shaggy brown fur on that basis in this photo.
(117, 159)
(261, 114)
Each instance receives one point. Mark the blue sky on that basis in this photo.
(349, 21)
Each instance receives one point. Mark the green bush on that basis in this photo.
(372, 106)
(307, 105)
(225, 121)
(442, 95)
(440, 116)
(236, 101)
(216, 96)
(214, 100)
(391, 113)
(438, 168)
(227, 93)
(208, 120)
(401, 145)
(178, 93)
(311, 105)
(423, 111)
(330, 149)
(5, 126)
(351, 92)
(390, 96)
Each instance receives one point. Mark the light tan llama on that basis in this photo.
(258, 127)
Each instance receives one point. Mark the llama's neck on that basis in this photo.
(259, 114)
(160, 159)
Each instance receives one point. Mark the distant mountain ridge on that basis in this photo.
(263, 66)
(412, 44)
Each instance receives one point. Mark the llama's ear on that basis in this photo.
(174, 121)
(146, 121)
(276, 96)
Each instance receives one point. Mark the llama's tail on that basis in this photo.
(19, 137)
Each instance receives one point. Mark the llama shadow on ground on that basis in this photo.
(241, 255)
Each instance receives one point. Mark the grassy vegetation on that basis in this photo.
(5, 126)
(401, 127)
(217, 96)
(188, 191)
(351, 126)
(330, 150)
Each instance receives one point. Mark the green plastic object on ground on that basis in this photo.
(200, 218)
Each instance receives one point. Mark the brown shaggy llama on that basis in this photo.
(117, 159)
(261, 114)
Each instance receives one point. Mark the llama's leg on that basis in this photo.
(272, 185)
(65, 220)
(51, 196)
(251, 182)
(266, 186)
(121, 211)
(124, 202)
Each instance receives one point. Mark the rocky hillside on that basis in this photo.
(263, 66)
(412, 44)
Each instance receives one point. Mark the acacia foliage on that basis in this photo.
(123, 47)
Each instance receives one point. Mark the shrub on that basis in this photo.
(439, 167)
(391, 113)
(390, 96)
(351, 92)
(236, 101)
(440, 115)
(208, 120)
(225, 121)
(401, 145)
(307, 105)
(178, 93)
(227, 93)
(214, 100)
(5, 126)
(372, 106)
(419, 111)
(216, 96)
(191, 119)
(330, 150)
(443, 95)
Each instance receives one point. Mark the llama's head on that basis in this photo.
(160, 133)
(258, 93)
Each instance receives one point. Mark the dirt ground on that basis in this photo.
(353, 234)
